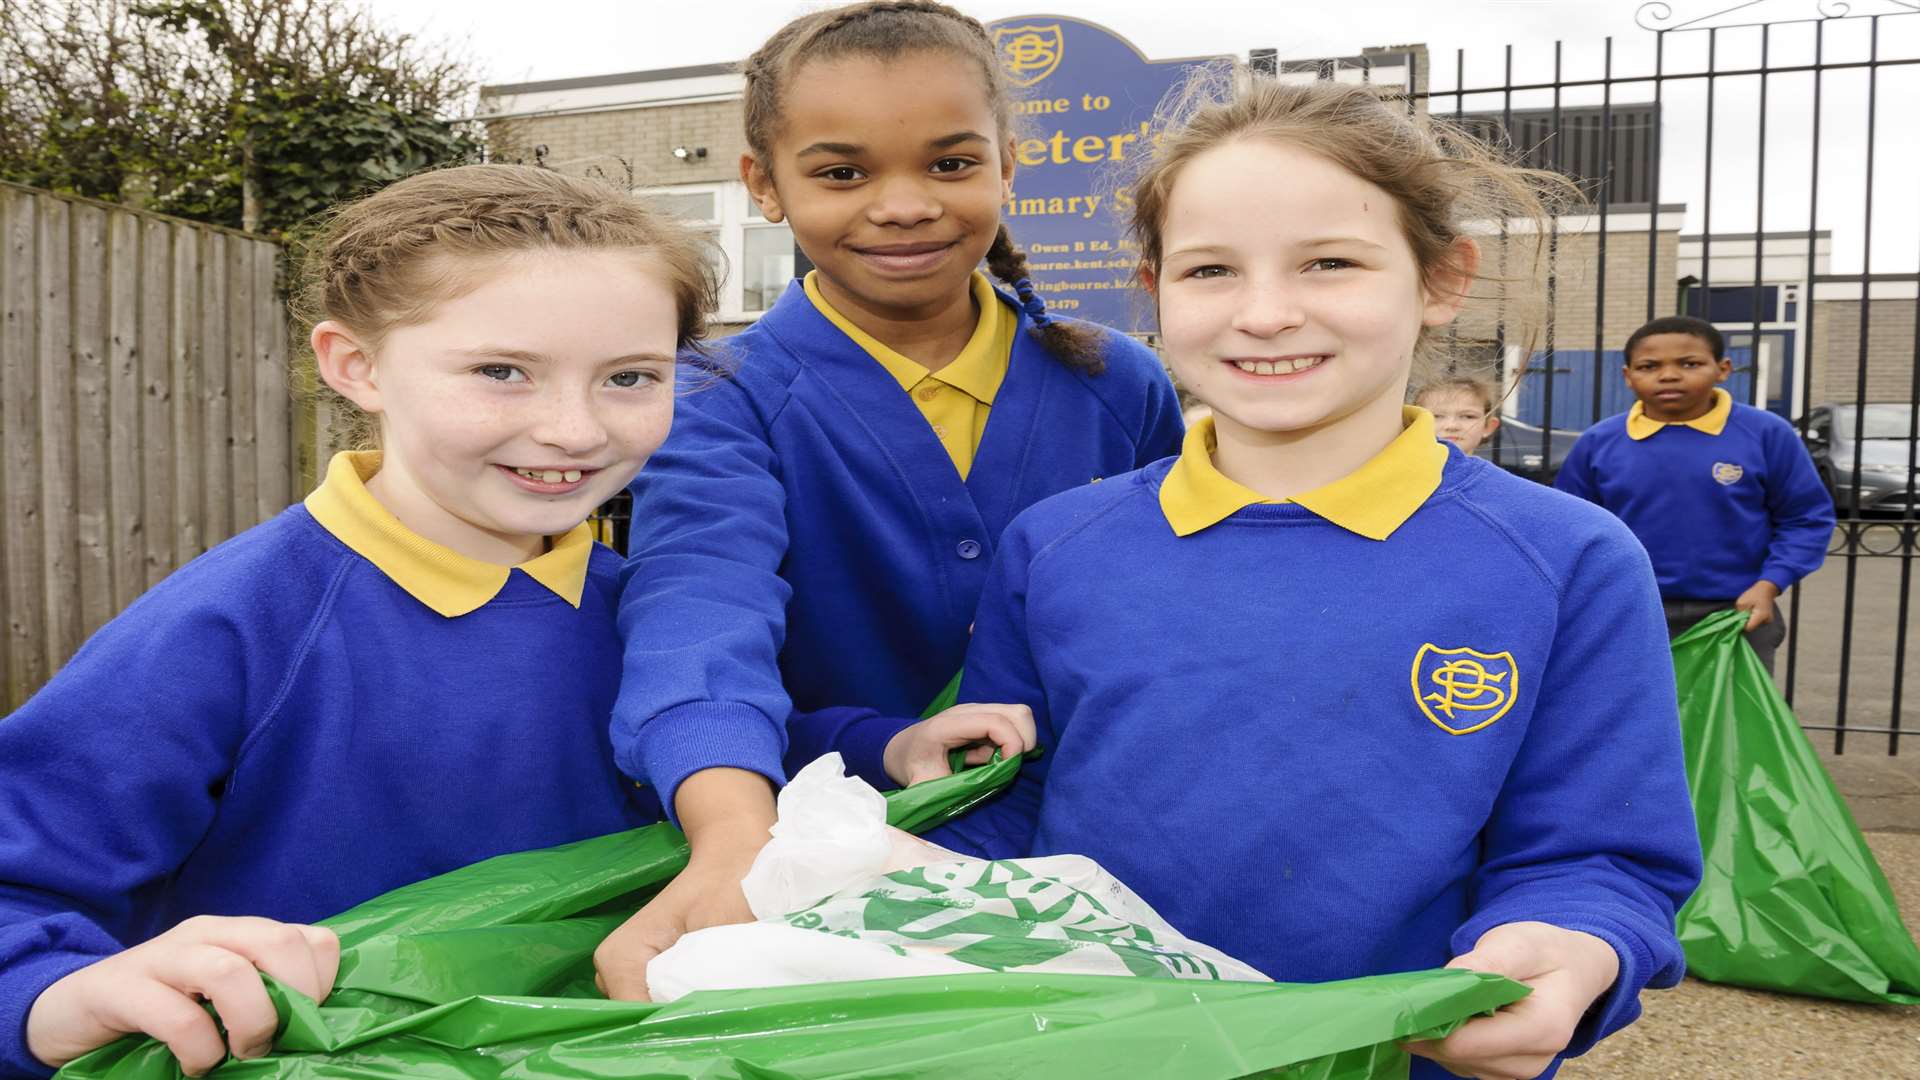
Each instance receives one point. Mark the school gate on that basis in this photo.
(1741, 172)
(143, 376)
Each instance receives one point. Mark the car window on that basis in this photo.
(1888, 422)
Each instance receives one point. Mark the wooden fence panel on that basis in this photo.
(217, 449)
(124, 395)
(240, 380)
(183, 353)
(156, 401)
(19, 416)
(92, 346)
(59, 509)
(144, 412)
(273, 421)
(19, 448)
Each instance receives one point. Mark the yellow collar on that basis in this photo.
(439, 577)
(1713, 421)
(1372, 501)
(977, 371)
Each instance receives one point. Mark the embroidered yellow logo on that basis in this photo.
(1029, 53)
(1463, 690)
(1727, 474)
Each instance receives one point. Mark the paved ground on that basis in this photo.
(1869, 670)
(1700, 1031)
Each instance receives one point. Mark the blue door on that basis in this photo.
(1572, 377)
(1778, 345)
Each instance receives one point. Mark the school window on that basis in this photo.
(758, 254)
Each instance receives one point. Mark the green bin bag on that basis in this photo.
(488, 972)
(1792, 898)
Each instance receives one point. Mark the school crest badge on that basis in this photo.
(1029, 53)
(1463, 690)
(1727, 474)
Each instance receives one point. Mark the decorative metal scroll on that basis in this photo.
(1659, 16)
(1881, 539)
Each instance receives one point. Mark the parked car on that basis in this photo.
(1883, 437)
(1515, 447)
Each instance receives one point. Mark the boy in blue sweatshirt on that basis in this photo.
(1723, 496)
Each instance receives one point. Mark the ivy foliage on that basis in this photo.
(253, 114)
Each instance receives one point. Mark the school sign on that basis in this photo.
(1088, 98)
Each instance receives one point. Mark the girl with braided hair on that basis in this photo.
(409, 672)
(808, 546)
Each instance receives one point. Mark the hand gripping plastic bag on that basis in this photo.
(487, 972)
(1792, 898)
(842, 896)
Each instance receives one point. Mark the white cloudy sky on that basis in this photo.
(517, 41)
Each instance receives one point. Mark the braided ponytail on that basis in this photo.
(1078, 345)
(884, 29)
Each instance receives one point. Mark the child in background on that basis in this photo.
(1465, 408)
(809, 546)
(410, 672)
(1724, 496)
(1328, 694)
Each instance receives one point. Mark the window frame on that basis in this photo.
(734, 216)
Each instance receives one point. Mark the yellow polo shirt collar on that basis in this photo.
(979, 369)
(1372, 501)
(1713, 421)
(437, 576)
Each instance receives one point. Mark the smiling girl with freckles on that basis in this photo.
(809, 544)
(1330, 695)
(410, 671)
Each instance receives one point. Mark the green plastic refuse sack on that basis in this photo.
(488, 972)
(1792, 899)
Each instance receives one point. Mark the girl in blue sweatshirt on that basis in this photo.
(409, 672)
(1329, 694)
(808, 547)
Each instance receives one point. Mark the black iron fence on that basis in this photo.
(1816, 292)
(1803, 126)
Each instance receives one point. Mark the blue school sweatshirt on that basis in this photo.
(1719, 502)
(1341, 749)
(285, 727)
(804, 550)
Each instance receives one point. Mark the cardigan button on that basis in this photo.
(968, 549)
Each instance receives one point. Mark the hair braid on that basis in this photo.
(1078, 345)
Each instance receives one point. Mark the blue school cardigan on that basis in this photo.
(803, 549)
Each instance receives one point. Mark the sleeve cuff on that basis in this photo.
(25, 980)
(1620, 1004)
(703, 735)
(1781, 579)
(859, 735)
(863, 744)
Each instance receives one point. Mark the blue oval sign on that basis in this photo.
(1087, 101)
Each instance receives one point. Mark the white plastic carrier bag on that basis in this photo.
(840, 895)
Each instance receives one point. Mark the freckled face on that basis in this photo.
(520, 406)
(1289, 298)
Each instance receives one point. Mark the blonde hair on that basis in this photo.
(386, 260)
(1444, 182)
(885, 29)
(1482, 388)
